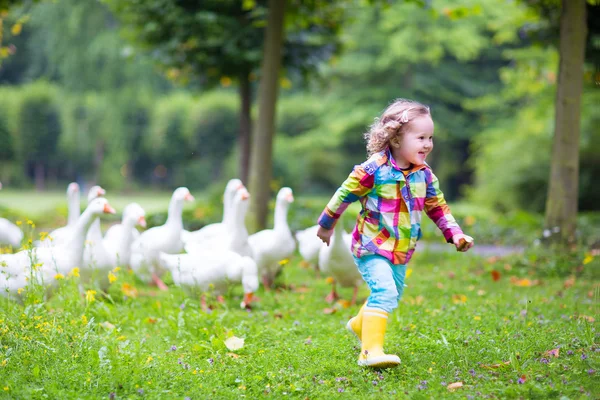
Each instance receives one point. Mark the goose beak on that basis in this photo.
(142, 221)
(245, 195)
(108, 209)
(247, 300)
(290, 198)
(101, 192)
(189, 197)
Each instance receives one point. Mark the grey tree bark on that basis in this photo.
(561, 203)
(261, 154)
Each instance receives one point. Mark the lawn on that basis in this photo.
(500, 327)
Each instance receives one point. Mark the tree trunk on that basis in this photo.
(262, 140)
(245, 127)
(39, 174)
(563, 187)
(98, 160)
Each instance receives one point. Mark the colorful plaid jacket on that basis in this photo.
(389, 223)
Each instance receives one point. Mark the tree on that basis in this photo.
(219, 43)
(262, 144)
(563, 188)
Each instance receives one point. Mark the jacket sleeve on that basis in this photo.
(437, 209)
(358, 184)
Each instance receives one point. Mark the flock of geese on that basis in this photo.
(213, 257)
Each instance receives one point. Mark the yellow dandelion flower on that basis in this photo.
(459, 298)
(111, 277)
(477, 318)
(284, 261)
(84, 320)
(116, 269)
(6, 388)
(4, 362)
(408, 272)
(36, 266)
(150, 358)
(129, 290)
(75, 272)
(29, 222)
(43, 235)
(19, 223)
(20, 290)
(588, 259)
(89, 296)
(59, 276)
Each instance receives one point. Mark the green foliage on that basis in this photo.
(520, 118)
(214, 125)
(8, 148)
(39, 124)
(168, 142)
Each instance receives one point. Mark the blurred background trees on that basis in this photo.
(158, 94)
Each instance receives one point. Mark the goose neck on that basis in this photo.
(280, 217)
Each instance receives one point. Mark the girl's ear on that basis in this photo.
(395, 142)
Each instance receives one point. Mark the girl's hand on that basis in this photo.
(325, 234)
(462, 242)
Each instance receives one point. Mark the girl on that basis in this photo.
(393, 186)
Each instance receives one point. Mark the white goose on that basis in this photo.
(73, 211)
(165, 238)
(50, 261)
(10, 234)
(219, 228)
(235, 238)
(203, 269)
(270, 246)
(119, 244)
(309, 246)
(95, 256)
(336, 260)
(60, 235)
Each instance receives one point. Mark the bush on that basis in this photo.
(39, 128)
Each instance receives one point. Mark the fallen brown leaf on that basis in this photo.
(495, 275)
(453, 386)
(552, 353)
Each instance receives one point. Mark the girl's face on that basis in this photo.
(415, 144)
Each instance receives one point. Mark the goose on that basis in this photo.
(236, 237)
(165, 238)
(270, 246)
(73, 206)
(50, 261)
(336, 260)
(95, 255)
(10, 234)
(119, 244)
(219, 228)
(309, 246)
(60, 235)
(115, 232)
(204, 269)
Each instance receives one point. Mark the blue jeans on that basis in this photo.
(385, 280)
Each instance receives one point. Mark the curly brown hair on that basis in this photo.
(393, 121)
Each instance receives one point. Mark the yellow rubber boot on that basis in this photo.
(373, 332)
(354, 325)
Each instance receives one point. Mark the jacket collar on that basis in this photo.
(392, 163)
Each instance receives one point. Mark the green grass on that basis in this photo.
(454, 324)
(34, 204)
